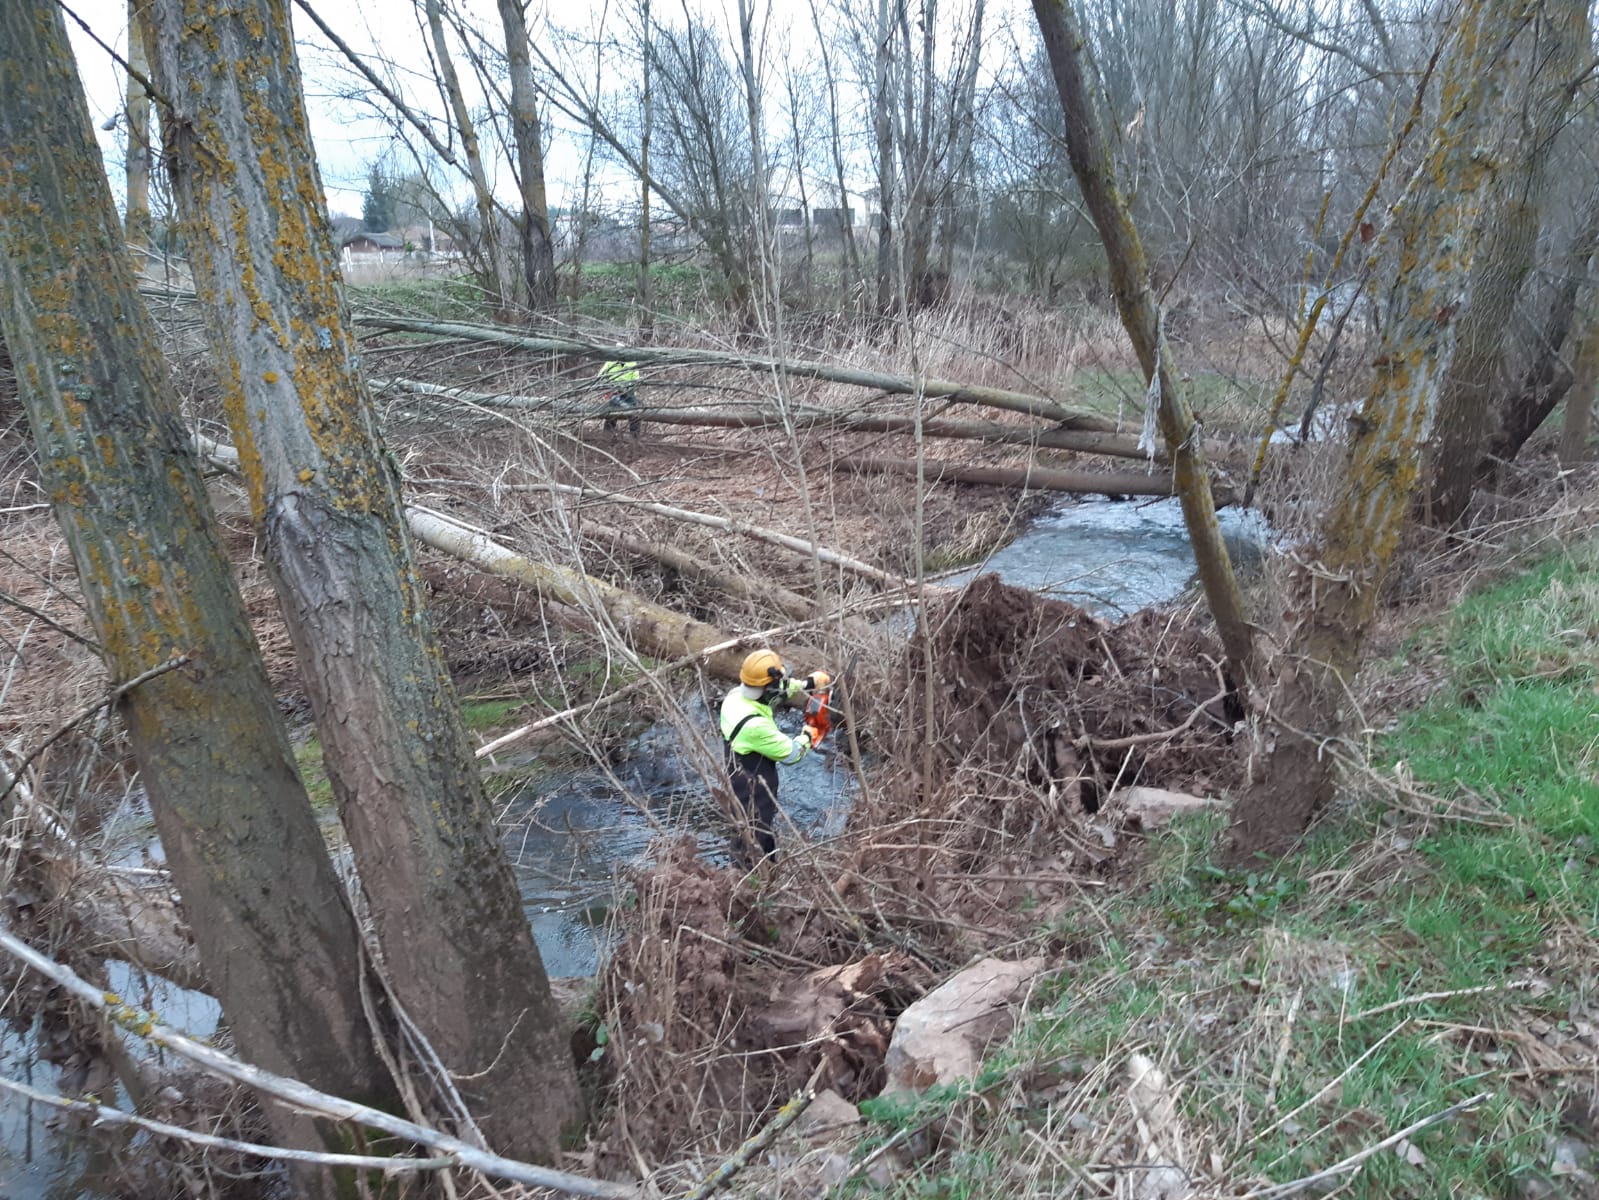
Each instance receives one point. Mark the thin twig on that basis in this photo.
(1427, 997)
(37, 614)
(104, 1114)
(786, 1116)
(1159, 735)
(72, 722)
(1277, 1191)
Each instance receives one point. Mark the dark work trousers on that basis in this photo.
(754, 780)
(624, 399)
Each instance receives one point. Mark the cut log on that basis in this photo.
(1116, 445)
(893, 385)
(1054, 479)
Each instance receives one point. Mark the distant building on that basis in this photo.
(365, 244)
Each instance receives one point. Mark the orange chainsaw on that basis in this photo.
(819, 711)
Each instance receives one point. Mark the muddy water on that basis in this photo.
(571, 833)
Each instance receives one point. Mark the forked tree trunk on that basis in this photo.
(1140, 315)
(1512, 217)
(326, 502)
(1333, 597)
(276, 937)
(1545, 383)
(538, 252)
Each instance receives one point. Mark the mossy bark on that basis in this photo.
(1333, 598)
(275, 935)
(1511, 219)
(1141, 317)
(326, 500)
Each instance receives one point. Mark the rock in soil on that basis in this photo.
(942, 1037)
(1152, 807)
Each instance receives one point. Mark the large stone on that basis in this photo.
(826, 1116)
(943, 1036)
(1152, 808)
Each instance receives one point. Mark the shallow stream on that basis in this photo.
(569, 833)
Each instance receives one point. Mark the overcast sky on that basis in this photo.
(349, 135)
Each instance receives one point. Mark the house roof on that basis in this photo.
(384, 241)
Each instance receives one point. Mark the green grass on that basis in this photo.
(1485, 875)
(1223, 402)
(447, 298)
(308, 757)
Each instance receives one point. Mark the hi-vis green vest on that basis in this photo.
(622, 374)
(758, 734)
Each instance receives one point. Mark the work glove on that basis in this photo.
(817, 680)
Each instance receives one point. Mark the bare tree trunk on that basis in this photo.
(761, 592)
(852, 256)
(1509, 241)
(963, 119)
(136, 218)
(1141, 316)
(1050, 479)
(1545, 382)
(649, 627)
(897, 385)
(1334, 596)
(538, 253)
(326, 502)
(646, 297)
(487, 213)
(883, 128)
(276, 937)
(1579, 401)
(1113, 445)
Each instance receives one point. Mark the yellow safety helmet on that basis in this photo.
(762, 669)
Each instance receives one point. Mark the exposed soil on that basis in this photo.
(999, 729)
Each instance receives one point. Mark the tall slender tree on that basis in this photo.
(136, 217)
(326, 500)
(276, 937)
(533, 223)
(1141, 317)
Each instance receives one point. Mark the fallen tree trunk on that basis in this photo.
(732, 582)
(894, 385)
(1116, 445)
(807, 549)
(1054, 479)
(648, 627)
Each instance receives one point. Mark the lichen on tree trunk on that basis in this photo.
(1333, 596)
(1141, 317)
(325, 496)
(276, 937)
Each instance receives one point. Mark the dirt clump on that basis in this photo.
(1015, 713)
